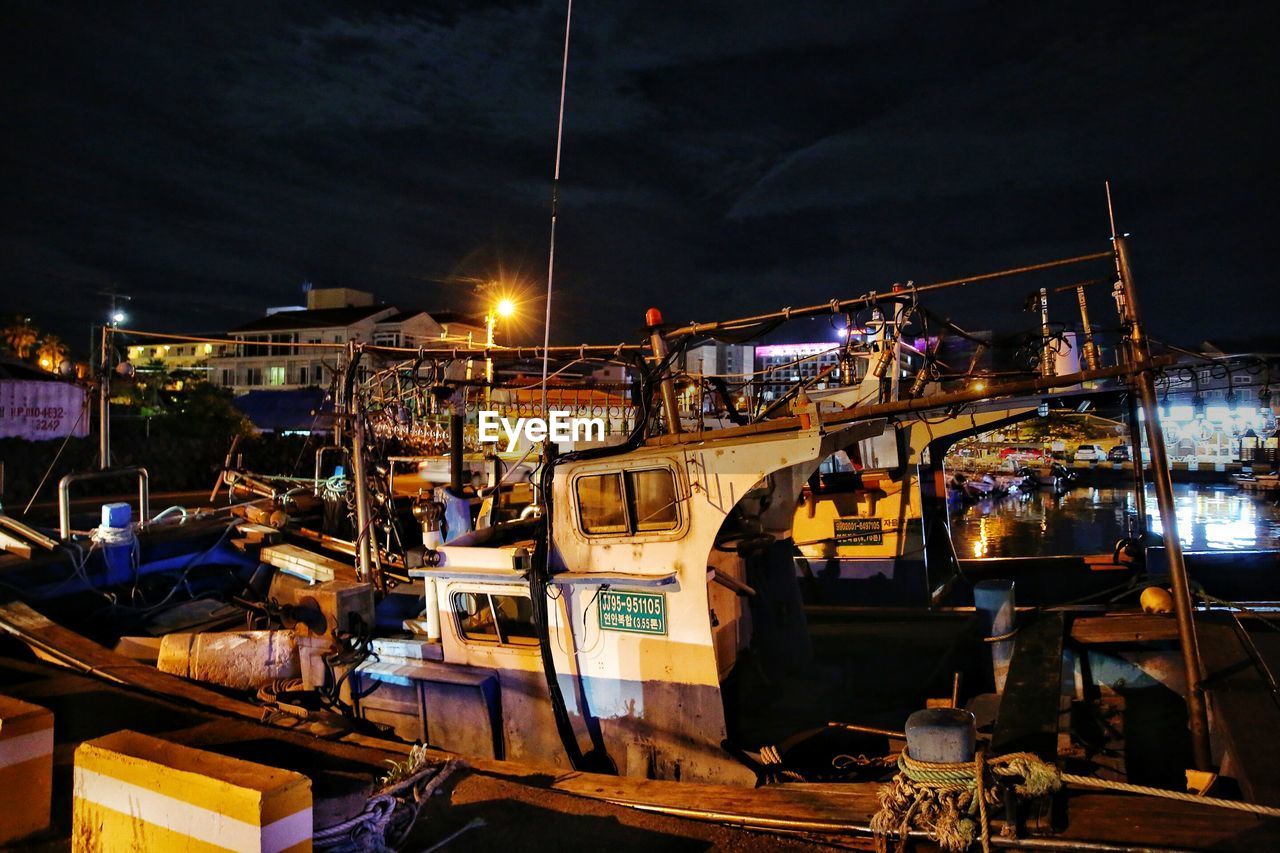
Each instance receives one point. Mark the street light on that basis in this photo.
(117, 317)
(503, 308)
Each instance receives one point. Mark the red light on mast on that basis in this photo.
(653, 317)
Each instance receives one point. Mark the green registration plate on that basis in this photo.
(638, 612)
(859, 531)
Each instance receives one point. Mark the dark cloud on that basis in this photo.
(720, 157)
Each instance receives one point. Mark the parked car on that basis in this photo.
(1119, 453)
(1089, 453)
(1021, 454)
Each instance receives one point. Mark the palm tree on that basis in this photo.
(53, 353)
(20, 336)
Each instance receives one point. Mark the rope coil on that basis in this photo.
(949, 801)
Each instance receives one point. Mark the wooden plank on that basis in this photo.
(846, 809)
(27, 532)
(14, 545)
(1245, 713)
(55, 643)
(308, 565)
(61, 644)
(256, 534)
(1138, 822)
(1028, 716)
(1124, 628)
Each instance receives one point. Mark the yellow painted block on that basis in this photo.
(137, 792)
(26, 768)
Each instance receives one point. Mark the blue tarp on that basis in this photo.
(278, 411)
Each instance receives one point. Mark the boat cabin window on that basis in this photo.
(653, 499)
(627, 502)
(600, 504)
(503, 619)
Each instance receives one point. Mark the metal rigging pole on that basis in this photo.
(1143, 384)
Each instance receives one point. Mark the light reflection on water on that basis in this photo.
(1090, 521)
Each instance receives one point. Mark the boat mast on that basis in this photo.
(1143, 383)
(1131, 405)
(366, 544)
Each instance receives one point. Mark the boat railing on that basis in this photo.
(320, 454)
(64, 494)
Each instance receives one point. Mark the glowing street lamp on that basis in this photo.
(117, 317)
(503, 308)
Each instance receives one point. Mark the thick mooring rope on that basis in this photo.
(1238, 805)
(390, 813)
(950, 801)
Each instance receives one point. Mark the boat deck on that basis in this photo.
(111, 692)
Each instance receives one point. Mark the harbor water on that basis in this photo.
(1090, 520)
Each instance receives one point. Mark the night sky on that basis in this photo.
(720, 158)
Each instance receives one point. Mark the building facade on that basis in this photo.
(175, 353)
(781, 366)
(293, 349)
(1213, 406)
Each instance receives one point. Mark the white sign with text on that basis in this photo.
(39, 411)
(560, 427)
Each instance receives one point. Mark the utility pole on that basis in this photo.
(104, 401)
(114, 319)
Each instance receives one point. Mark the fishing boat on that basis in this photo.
(762, 623)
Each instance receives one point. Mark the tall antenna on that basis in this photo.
(1111, 211)
(1117, 291)
(555, 200)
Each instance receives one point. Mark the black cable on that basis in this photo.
(540, 580)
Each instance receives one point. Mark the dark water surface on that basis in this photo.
(1090, 520)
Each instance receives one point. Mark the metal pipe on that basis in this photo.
(786, 824)
(1080, 285)
(64, 494)
(1088, 349)
(250, 486)
(1005, 389)
(1139, 476)
(868, 730)
(320, 452)
(1145, 386)
(841, 306)
(104, 405)
(457, 448)
(444, 351)
(979, 349)
(927, 358)
(658, 345)
(364, 526)
(1046, 354)
(226, 465)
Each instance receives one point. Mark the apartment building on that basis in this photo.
(274, 351)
